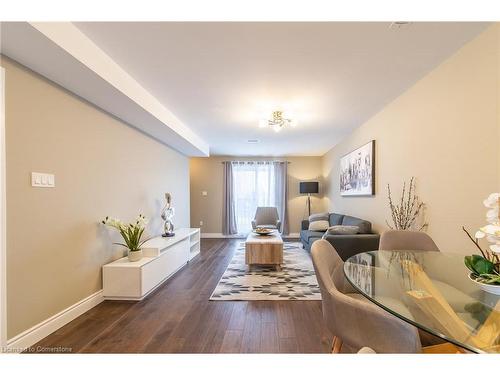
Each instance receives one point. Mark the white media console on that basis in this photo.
(162, 257)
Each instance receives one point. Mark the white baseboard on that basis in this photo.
(41, 330)
(220, 235)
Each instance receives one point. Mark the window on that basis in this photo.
(254, 186)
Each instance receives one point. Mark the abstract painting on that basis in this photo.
(357, 171)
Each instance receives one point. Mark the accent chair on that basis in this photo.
(266, 217)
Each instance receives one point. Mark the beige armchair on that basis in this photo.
(352, 319)
(266, 217)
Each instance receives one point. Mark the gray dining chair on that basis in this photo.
(415, 241)
(351, 318)
(266, 217)
(406, 240)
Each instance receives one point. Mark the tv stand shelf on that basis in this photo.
(162, 257)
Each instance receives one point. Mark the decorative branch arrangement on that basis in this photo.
(408, 210)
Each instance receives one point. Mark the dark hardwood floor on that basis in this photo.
(179, 318)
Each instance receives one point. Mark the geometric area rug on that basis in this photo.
(295, 281)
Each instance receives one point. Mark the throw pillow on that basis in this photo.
(318, 217)
(319, 225)
(342, 229)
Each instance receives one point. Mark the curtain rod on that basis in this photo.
(255, 161)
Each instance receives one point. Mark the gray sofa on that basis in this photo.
(345, 244)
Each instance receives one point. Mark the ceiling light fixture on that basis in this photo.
(277, 121)
(399, 25)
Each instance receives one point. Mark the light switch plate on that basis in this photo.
(204, 193)
(45, 180)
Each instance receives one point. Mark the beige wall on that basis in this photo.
(55, 246)
(444, 131)
(206, 175)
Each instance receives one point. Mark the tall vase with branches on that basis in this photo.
(404, 214)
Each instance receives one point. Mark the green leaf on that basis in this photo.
(481, 265)
(468, 263)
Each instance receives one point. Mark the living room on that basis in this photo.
(213, 187)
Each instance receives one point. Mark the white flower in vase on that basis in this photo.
(131, 234)
(492, 200)
(485, 268)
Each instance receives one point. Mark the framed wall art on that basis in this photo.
(357, 171)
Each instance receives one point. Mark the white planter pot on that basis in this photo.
(489, 288)
(134, 256)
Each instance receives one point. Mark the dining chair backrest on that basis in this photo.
(325, 261)
(357, 321)
(406, 240)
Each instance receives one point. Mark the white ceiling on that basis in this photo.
(219, 79)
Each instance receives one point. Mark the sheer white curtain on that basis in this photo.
(254, 185)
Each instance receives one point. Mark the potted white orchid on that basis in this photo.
(485, 268)
(131, 233)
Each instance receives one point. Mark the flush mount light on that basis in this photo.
(277, 121)
(399, 25)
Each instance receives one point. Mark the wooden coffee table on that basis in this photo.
(264, 250)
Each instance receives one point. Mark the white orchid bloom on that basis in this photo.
(491, 239)
(495, 248)
(491, 230)
(479, 235)
(492, 216)
(492, 200)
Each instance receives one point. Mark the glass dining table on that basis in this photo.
(432, 291)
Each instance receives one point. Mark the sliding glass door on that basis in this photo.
(254, 186)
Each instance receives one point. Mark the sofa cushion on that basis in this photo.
(342, 229)
(308, 235)
(320, 225)
(364, 226)
(336, 219)
(318, 217)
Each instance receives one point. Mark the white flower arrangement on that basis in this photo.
(131, 232)
(485, 268)
(491, 231)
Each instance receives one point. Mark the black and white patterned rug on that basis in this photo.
(295, 281)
